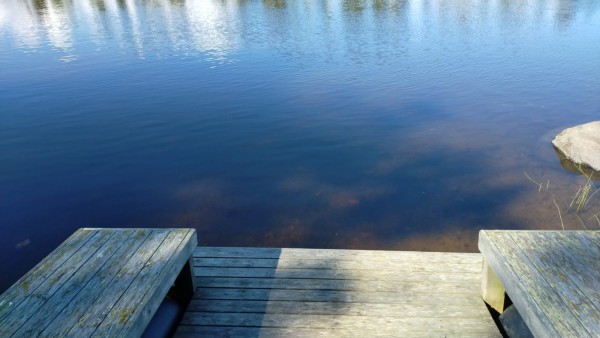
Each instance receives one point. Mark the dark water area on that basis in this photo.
(382, 124)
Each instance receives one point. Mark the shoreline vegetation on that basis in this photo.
(580, 206)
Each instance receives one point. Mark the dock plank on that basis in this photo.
(559, 270)
(13, 297)
(451, 287)
(337, 255)
(94, 289)
(338, 296)
(33, 302)
(335, 308)
(272, 292)
(117, 320)
(409, 323)
(581, 254)
(101, 282)
(531, 282)
(87, 325)
(335, 274)
(268, 332)
(68, 290)
(349, 264)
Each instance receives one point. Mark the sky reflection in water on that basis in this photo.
(347, 124)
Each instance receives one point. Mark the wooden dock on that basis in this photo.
(101, 283)
(262, 292)
(552, 277)
(114, 283)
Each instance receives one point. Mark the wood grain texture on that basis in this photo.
(337, 255)
(340, 296)
(391, 276)
(88, 323)
(272, 332)
(16, 294)
(347, 264)
(96, 287)
(271, 292)
(336, 308)
(551, 277)
(49, 311)
(157, 291)
(408, 323)
(557, 268)
(449, 287)
(581, 255)
(99, 282)
(33, 302)
(132, 313)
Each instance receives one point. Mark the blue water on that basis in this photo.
(375, 124)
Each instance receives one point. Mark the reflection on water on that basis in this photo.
(217, 26)
(203, 26)
(380, 124)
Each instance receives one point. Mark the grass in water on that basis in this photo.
(579, 203)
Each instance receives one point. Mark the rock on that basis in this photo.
(581, 144)
(513, 324)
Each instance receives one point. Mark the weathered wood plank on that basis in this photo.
(549, 264)
(592, 239)
(267, 332)
(354, 264)
(529, 293)
(232, 252)
(62, 298)
(337, 296)
(337, 274)
(291, 292)
(338, 308)
(364, 323)
(156, 268)
(581, 257)
(372, 255)
(32, 303)
(103, 282)
(159, 288)
(338, 285)
(97, 312)
(16, 294)
(409, 324)
(97, 286)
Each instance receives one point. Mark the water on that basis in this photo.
(339, 124)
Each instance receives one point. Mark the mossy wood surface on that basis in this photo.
(552, 277)
(99, 282)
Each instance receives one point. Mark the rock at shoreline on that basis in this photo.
(581, 144)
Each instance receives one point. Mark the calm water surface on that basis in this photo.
(382, 124)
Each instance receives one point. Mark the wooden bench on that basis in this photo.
(552, 278)
(100, 282)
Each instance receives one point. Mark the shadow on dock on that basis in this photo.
(258, 292)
